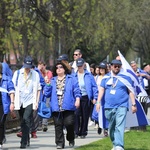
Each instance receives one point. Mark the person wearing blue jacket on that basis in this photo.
(6, 99)
(64, 93)
(89, 93)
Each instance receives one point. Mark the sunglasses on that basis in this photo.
(59, 67)
(76, 54)
(117, 66)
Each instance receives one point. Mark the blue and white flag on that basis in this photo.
(139, 118)
(139, 91)
(100, 117)
(103, 122)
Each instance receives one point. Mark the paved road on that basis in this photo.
(46, 140)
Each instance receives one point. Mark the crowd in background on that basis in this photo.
(76, 91)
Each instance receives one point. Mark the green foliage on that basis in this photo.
(50, 27)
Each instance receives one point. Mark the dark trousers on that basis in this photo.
(61, 119)
(34, 121)
(25, 115)
(2, 124)
(82, 116)
(91, 110)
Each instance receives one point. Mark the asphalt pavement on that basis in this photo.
(46, 140)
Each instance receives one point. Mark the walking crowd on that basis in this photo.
(74, 93)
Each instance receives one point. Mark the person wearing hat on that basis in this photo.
(64, 59)
(36, 121)
(103, 70)
(78, 54)
(115, 93)
(65, 98)
(89, 93)
(27, 92)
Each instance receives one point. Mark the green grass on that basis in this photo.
(134, 140)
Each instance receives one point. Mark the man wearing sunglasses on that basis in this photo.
(114, 91)
(77, 54)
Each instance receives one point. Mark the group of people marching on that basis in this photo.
(72, 90)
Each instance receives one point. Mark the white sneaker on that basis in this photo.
(1, 146)
(91, 123)
(118, 148)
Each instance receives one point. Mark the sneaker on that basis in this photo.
(19, 134)
(71, 143)
(45, 128)
(60, 147)
(23, 146)
(99, 131)
(82, 136)
(119, 148)
(1, 146)
(105, 133)
(33, 135)
(90, 123)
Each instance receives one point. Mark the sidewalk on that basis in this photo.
(46, 140)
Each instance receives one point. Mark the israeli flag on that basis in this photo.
(139, 118)
(100, 117)
(103, 122)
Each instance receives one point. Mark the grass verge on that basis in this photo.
(134, 140)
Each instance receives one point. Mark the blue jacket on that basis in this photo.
(90, 85)
(7, 84)
(71, 92)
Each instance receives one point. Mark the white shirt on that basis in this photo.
(26, 89)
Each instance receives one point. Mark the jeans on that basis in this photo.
(117, 120)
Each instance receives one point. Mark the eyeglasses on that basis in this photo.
(59, 67)
(117, 66)
(76, 54)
